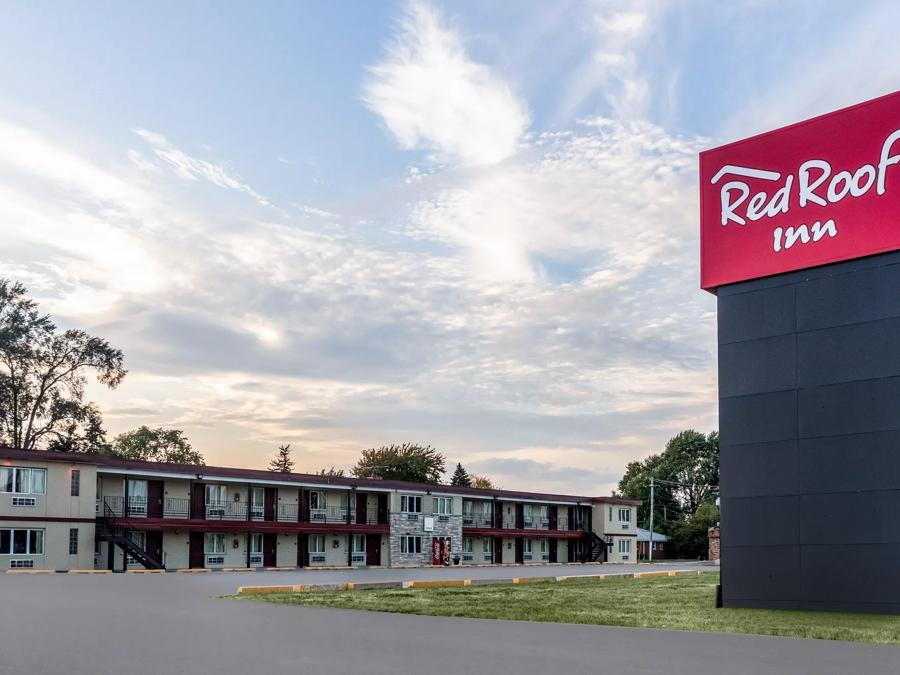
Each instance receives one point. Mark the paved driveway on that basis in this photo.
(137, 624)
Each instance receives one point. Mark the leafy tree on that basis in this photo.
(410, 462)
(689, 537)
(332, 472)
(484, 483)
(461, 477)
(686, 476)
(283, 462)
(156, 445)
(635, 484)
(43, 373)
(693, 460)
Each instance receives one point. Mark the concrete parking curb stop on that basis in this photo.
(31, 571)
(437, 583)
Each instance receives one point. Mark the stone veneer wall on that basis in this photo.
(402, 526)
(714, 543)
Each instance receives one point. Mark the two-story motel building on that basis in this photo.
(67, 511)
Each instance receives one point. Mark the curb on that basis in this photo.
(453, 583)
(90, 572)
(145, 571)
(27, 571)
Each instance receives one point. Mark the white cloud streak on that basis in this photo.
(431, 95)
(191, 168)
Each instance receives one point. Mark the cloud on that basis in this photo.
(616, 194)
(619, 32)
(192, 168)
(431, 95)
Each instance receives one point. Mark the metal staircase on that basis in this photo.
(595, 551)
(110, 528)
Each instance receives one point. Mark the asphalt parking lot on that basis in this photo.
(170, 623)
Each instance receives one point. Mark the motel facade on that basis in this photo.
(65, 511)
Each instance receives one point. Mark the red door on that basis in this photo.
(270, 545)
(520, 550)
(198, 502)
(153, 542)
(373, 549)
(436, 558)
(361, 504)
(271, 496)
(154, 499)
(498, 550)
(196, 551)
(302, 550)
(553, 550)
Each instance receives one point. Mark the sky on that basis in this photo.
(347, 224)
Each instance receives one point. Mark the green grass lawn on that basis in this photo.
(677, 603)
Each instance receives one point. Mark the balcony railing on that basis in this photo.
(176, 507)
(137, 506)
(226, 511)
(180, 507)
(478, 520)
(287, 513)
(537, 524)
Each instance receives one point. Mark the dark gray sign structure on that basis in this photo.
(800, 241)
(809, 408)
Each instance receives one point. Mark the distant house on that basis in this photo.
(660, 545)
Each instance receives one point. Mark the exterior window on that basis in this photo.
(488, 509)
(543, 545)
(216, 495)
(467, 545)
(624, 515)
(137, 496)
(610, 514)
(443, 506)
(467, 509)
(257, 503)
(317, 543)
(256, 543)
(485, 545)
(316, 501)
(358, 543)
(527, 511)
(543, 513)
(528, 546)
(410, 504)
(625, 546)
(214, 542)
(76, 482)
(73, 541)
(410, 544)
(23, 481)
(21, 542)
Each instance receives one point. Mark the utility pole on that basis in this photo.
(651, 520)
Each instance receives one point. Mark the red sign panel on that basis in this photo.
(810, 194)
